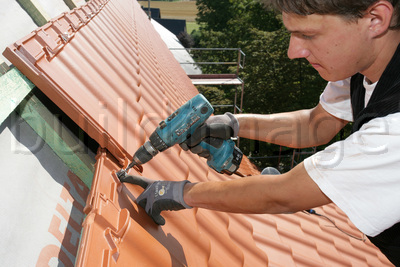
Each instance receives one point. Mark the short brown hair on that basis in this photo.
(349, 9)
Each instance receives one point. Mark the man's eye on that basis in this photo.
(303, 36)
(306, 37)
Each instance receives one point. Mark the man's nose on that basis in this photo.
(297, 49)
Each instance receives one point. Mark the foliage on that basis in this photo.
(274, 83)
(219, 15)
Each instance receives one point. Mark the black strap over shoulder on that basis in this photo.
(384, 100)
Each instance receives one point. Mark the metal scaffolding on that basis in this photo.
(221, 78)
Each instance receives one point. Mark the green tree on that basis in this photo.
(218, 15)
(274, 83)
(209, 14)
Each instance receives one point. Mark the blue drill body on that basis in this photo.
(225, 156)
(184, 121)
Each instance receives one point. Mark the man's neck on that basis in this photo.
(385, 49)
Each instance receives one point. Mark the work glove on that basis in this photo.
(216, 127)
(158, 196)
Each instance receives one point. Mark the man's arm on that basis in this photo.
(298, 129)
(289, 192)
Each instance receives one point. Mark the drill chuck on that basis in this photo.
(145, 153)
(149, 149)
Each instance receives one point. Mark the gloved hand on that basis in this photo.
(219, 126)
(158, 196)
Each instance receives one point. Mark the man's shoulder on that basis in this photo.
(336, 99)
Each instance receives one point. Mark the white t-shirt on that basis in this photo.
(360, 174)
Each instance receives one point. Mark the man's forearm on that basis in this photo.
(247, 195)
(289, 192)
(298, 129)
(282, 129)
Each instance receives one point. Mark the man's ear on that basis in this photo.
(380, 16)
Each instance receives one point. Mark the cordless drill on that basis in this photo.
(225, 156)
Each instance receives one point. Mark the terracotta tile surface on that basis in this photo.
(108, 69)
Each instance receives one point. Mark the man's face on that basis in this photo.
(335, 47)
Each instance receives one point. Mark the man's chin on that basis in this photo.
(331, 77)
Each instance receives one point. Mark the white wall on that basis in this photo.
(15, 23)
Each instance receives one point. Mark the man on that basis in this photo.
(354, 46)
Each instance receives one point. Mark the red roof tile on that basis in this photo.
(108, 69)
